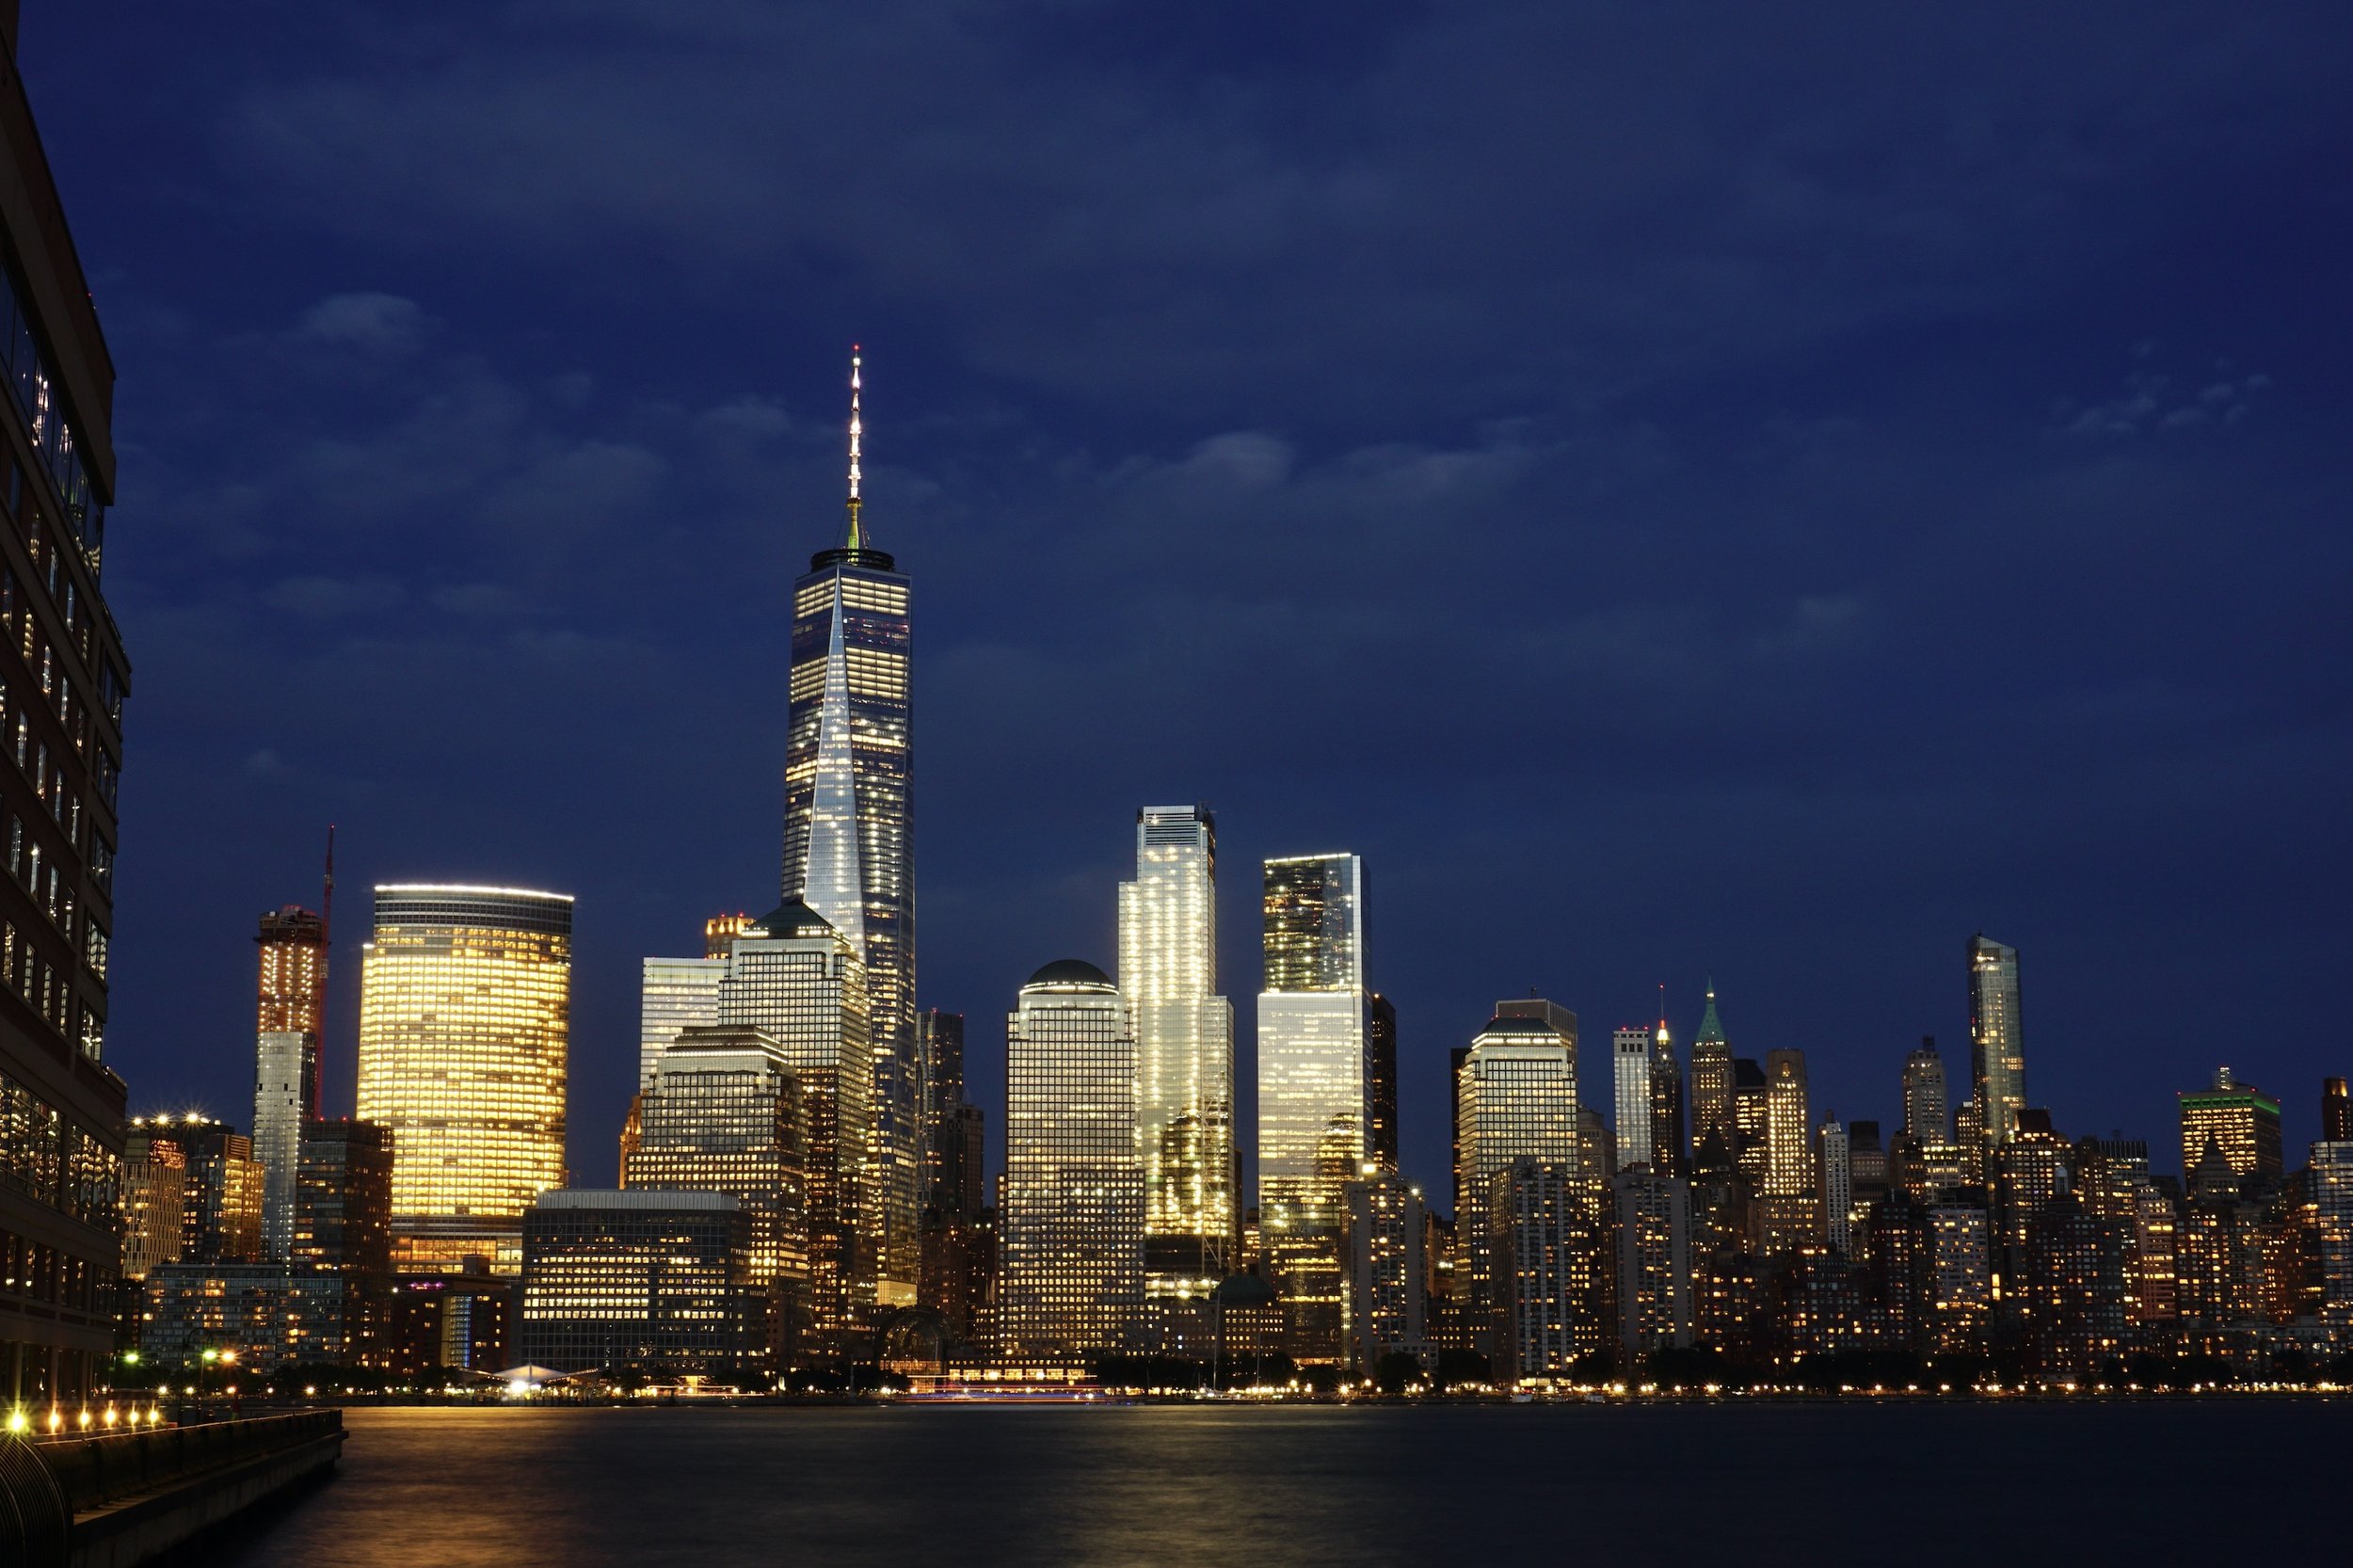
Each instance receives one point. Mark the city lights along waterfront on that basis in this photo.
(681, 1216)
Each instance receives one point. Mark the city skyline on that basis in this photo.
(1834, 739)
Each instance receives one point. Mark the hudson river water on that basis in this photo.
(2208, 1482)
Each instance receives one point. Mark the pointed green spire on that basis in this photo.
(1711, 1028)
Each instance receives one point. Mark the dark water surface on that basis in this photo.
(2218, 1481)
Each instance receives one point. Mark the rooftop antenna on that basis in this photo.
(857, 429)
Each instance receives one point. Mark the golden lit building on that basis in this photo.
(1072, 1285)
(2240, 1120)
(465, 1027)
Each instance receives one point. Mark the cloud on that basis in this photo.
(381, 323)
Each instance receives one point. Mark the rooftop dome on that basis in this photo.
(792, 918)
(1070, 972)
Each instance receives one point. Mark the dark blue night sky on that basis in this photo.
(1754, 490)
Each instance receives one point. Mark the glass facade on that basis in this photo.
(1996, 1045)
(283, 1058)
(797, 981)
(1630, 1065)
(849, 838)
(673, 995)
(1184, 1051)
(652, 1279)
(725, 1113)
(1516, 1100)
(1071, 1282)
(465, 1029)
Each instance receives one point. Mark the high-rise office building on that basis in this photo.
(1387, 1268)
(281, 1058)
(1654, 1260)
(940, 1042)
(1184, 1053)
(343, 1225)
(1997, 1051)
(221, 1210)
(1516, 1100)
(293, 990)
(1834, 1156)
(155, 1189)
(1752, 1148)
(465, 1031)
(1072, 1279)
(849, 834)
(796, 981)
(1381, 1068)
(2240, 1120)
(1789, 1197)
(638, 1278)
(725, 1113)
(1630, 1078)
(1314, 1088)
(1670, 1150)
(2336, 1112)
(62, 680)
(1927, 1100)
(1712, 1080)
(2332, 1195)
(675, 994)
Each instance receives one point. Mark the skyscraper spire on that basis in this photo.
(1710, 1029)
(856, 539)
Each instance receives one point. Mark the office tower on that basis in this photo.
(675, 994)
(1072, 1277)
(960, 1227)
(1997, 1052)
(1959, 1292)
(1752, 1148)
(1655, 1309)
(638, 1278)
(796, 980)
(2332, 1195)
(1927, 1103)
(1516, 1101)
(61, 721)
(343, 1225)
(2240, 1120)
(344, 1200)
(2028, 1174)
(271, 1315)
(1835, 1157)
(940, 1042)
(1670, 1153)
(1712, 1080)
(293, 990)
(725, 1113)
(1314, 1088)
(1789, 1197)
(1721, 1201)
(1629, 1061)
(1866, 1159)
(465, 1027)
(2336, 1112)
(1535, 1226)
(155, 1191)
(1184, 1053)
(1382, 1069)
(1387, 1269)
(281, 1060)
(849, 834)
(220, 1207)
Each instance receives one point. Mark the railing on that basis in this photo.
(94, 1470)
